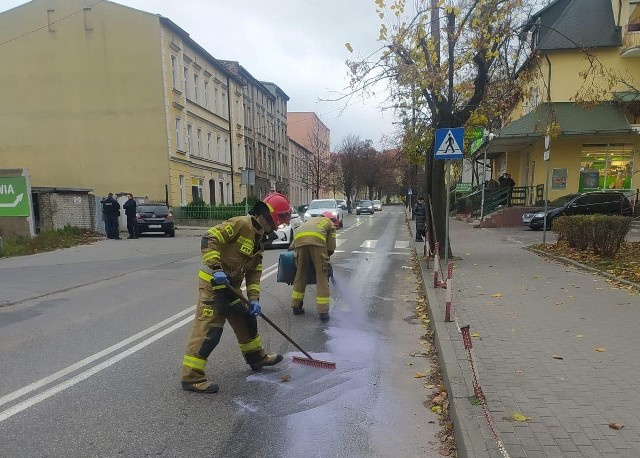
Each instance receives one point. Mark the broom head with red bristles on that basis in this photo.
(314, 362)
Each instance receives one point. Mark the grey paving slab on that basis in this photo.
(554, 342)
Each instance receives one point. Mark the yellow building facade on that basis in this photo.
(594, 141)
(114, 99)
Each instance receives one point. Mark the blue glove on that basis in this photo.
(220, 278)
(254, 308)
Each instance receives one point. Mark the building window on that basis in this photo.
(188, 138)
(183, 191)
(224, 104)
(206, 94)
(186, 82)
(199, 140)
(196, 189)
(226, 151)
(606, 166)
(229, 193)
(215, 100)
(221, 184)
(195, 86)
(218, 148)
(208, 145)
(174, 71)
(179, 134)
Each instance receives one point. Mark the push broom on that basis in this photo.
(309, 360)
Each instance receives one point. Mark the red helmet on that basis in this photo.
(279, 208)
(332, 217)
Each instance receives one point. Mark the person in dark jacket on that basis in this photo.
(111, 210)
(130, 210)
(420, 213)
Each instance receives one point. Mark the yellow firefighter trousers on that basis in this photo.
(317, 255)
(213, 310)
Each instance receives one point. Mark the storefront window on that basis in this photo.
(606, 166)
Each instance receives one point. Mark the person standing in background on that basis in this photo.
(130, 210)
(111, 210)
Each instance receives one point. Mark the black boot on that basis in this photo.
(324, 317)
(298, 310)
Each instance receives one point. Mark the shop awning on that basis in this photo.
(572, 118)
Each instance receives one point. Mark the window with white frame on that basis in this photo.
(215, 100)
(206, 94)
(228, 193)
(183, 191)
(218, 148)
(199, 140)
(197, 188)
(178, 133)
(174, 71)
(226, 151)
(224, 104)
(195, 86)
(189, 138)
(208, 145)
(185, 77)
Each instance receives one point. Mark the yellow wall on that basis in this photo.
(565, 153)
(84, 108)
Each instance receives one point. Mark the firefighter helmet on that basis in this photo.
(279, 208)
(332, 217)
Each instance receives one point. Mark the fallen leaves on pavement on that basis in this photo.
(616, 426)
(625, 264)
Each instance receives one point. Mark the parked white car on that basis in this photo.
(285, 232)
(318, 206)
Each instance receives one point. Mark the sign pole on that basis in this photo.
(547, 157)
(446, 231)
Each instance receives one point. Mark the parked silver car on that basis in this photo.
(285, 232)
(318, 206)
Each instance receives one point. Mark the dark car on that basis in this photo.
(155, 218)
(364, 206)
(586, 203)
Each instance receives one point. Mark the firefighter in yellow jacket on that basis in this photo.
(314, 243)
(231, 252)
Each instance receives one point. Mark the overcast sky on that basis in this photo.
(297, 44)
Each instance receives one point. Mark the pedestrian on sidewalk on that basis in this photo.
(420, 212)
(314, 244)
(231, 252)
(130, 210)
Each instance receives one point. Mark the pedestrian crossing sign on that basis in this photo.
(449, 143)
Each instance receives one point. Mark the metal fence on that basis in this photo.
(209, 212)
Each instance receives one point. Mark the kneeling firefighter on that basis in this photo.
(314, 243)
(231, 252)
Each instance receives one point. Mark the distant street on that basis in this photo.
(92, 338)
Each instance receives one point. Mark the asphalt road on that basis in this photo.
(91, 340)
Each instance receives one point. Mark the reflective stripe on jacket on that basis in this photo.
(235, 247)
(318, 231)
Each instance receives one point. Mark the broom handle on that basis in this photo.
(240, 296)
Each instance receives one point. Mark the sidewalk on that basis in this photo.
(557, 344)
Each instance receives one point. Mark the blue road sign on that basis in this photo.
(449, 143)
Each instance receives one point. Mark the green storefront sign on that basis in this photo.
(14, 199)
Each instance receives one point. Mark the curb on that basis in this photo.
(470, 441)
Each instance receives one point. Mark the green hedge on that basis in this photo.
(602, 233)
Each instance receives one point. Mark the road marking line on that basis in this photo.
(95, 369)
(369, 244)
(67, 370)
